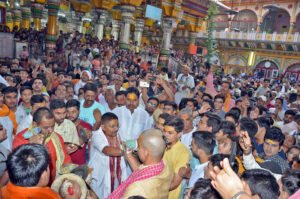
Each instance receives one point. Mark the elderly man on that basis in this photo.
(153, 178)
(59, 159)
(185, 83)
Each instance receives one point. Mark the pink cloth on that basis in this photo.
(295, 195)
(96, 64)
(137, 175)
(210, 86)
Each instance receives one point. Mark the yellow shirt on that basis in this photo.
(177, 156)
(156, 187)
(68, 131)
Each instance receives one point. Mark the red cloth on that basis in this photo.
(137, 175)
(112, 166)
(78, 157)
(19, 140)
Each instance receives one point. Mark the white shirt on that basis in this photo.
(197, 173)
(7, 123)
(132, 125)
(25, 123)
(20, 113)
(185, 81)
(186, 139)
(101, 181)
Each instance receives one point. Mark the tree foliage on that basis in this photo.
(210, 42)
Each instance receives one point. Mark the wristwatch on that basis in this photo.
(238, 194)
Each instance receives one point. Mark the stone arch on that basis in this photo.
(277, 21)
(236, 64)
(245, 21)
(293, 71)
(266, 69)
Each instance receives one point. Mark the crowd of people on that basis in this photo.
(90, 120)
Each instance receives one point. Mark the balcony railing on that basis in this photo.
(250, 36)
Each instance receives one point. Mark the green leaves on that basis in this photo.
(210, 42)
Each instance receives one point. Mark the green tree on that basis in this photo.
(210, 42)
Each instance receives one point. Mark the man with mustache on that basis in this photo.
(90, 110)
(133, 120)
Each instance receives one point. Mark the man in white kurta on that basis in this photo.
(133, 120)
(101, 176)
(185, 82)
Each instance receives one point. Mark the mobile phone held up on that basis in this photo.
(152, 78)
(144, 84)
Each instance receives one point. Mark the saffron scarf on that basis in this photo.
(112, 165)
(137, 175)
(226, 106)
(6, 112)
(61, 168)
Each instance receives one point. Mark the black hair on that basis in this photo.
(234, 116)
(175, 122)
(26, 164)
(56, 104)
(164, 102)
(9, 89)
(208, 95)
(90, 87)
(204, 190)
(288, 112)
(133, 90)
(195, 102)
(227, 127)
(210, 102)
(153, 98)
(36, 99)
(261, 183)
(118, 93)
(172, 104)
(73, 103)
(164, 69)
(164, 116)
(247, 124)
(236, 111)
(217, 158)
(263, 122)
(205, 141)
(40, 113)
(275, 134)
(213, 121)
(23, 88)
(281, 100)
(39, 78)
(292, 147)
(108, 117)
(266, 80)
(184, 102)
(291, 181)
(220, 96)
(136, 197)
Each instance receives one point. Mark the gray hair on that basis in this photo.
(112, 90)
(186, 111)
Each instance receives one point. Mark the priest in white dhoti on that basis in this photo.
(106, 157)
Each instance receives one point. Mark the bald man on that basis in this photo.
(153, 178)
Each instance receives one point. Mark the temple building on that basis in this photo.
(253, 36)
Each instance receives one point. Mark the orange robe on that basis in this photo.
(11, 191)
(19, 140)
